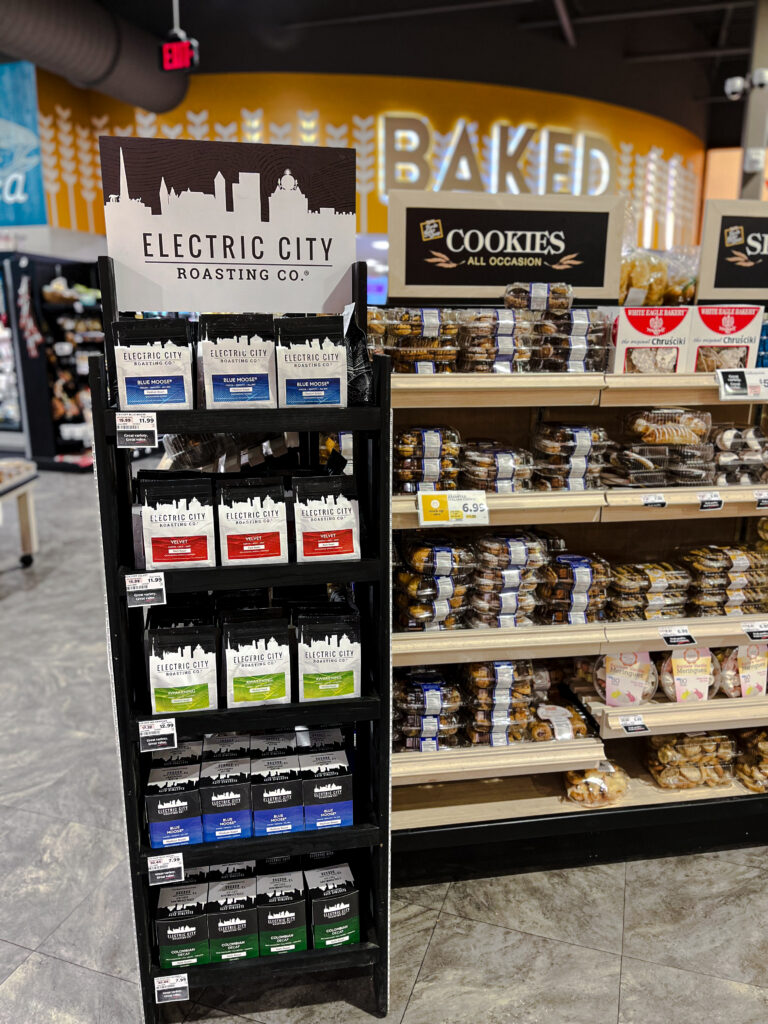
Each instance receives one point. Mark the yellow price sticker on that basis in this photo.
(455, 508)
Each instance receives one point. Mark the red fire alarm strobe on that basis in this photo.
(179, 54)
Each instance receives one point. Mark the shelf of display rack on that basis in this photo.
(536, 805)
(242, 421)
(709, 631)
(493, 390)
(662, 716)
(523, 508)
(233, 577)
(628, 504)
(494, 762)
(542, 390)
(659, 389)
(260, 847)
(440, 647)
(364, 954)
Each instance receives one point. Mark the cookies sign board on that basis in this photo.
(734, 251)
(470, 245)
(228, 225)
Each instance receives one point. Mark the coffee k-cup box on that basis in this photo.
(334, 902)
(172, 806)
(225, 799)
(327, 786)
(187, 752)
(724, 338)
(272, 744)
(277, 796)
(282, 913)
(231, 871)
(232, 920)
(181, 925)
(226, 746)
(652, 339)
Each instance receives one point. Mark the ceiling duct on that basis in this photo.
(93, 48)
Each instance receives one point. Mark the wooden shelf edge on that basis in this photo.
(711, 631)
(447, 390)
(513, 509)
(463, 645)
(495, 762)
(659, 389)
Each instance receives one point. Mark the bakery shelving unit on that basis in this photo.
(459, 798)
(368, 839)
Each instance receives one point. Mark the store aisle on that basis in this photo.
(678, 941)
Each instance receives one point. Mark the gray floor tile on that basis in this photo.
(47, 867)
(97, 933)
(10, 958)
(652, 993)
(49, 991)
(701, 913)
(581, 905)
(477, 972)
(431, 896)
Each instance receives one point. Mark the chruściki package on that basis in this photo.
(225, 799)
(327, 784)
(233, 928)
(277, 796)
(236, 361)
(153, 365)
(327, 518)
(226, 746)
(256, 663)
(172, 806)
(181, 666)
(652, 339)
(329, 657)
(253, 521)
(177, 522)
(311, 361)
(334, 906)
(181, 925)
(724, 338)
(282, 913)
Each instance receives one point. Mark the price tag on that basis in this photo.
(709, 501)
(136, 429)
(145, 588)
(173, 988)
(654, 501)
(454, 508)
(761, 499)
(742, 385)
(157, 734)
(168, 867)
(676, 636)
(756, 630)
(632, 724)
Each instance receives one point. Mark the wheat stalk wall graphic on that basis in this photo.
(67, 161)
(85, 167)
(226, 132)
(336, 136)
(308, 125)
(197, 124)
(363, 136)
(146, 124)
(50, 166)
(252, 125)
(280, 134)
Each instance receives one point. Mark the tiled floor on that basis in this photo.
(680, 941)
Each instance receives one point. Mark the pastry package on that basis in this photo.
(436, 555)
(653, 341)
(427, 443)
(692, 748)
(724, 338)
(743, 670)
(507, 602)
(311, 362)
(580, 572)
(422, 610)
(752, 772)
(517, 713)
(557, 722)
(689, 776)
(425, 692)
(626, 678)
(650, 278)
(670, 426)
(327, 518)
(405, 623)
(754, 741)
(492, 620)
(595, 787)
(555, 297)
(636, 465)
(490, 681)
(714, 558)
(478, 347)
(421, 340)
(427, 726)
(517, 550)
(690, 674)
(649, 577)
(489, 580)
(432, 588)
(553, 439)
(490, 460)
(442, 473)
(497, 736)
(576, 475)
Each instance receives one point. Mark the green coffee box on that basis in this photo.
(232, 921)
(334, 906)
(282, 913)
(181, 925)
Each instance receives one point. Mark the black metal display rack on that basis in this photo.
(370, 714)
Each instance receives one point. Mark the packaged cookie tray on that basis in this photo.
(752, 772)
(580, 571)
(597, 675)
(644, 614)
(518, 550)
(630, 600)
(689, 776)
(482, 675)
(437, 556)
(733, 440)
(487, 620)
(595, 787)
(610, 477)
(518, 714)
(669, 426)
(754, 741)
(439, 610)
(562, 617)
(746, 459)
(692, 748)
(427, 442)
(499, 736)
(551, 481)
(743, 478)
(716, 558)
(423, 744)
(566, 461)
(471, 482)
(422, 363)
(495, 460)
(561, 439)
(538, 296)
(405, 623)
(427, 725)
(432, 699)
(414, 486)
(488, 580)
(748, 608)
(506, 602)
(426, 587)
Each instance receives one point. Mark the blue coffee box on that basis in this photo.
(172, 806)
(327, 788)
(225, 798)
(277, 796)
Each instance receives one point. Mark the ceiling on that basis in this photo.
(670, 59)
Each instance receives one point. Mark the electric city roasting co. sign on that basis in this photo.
(215, 225)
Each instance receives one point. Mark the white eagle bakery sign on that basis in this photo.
(229, 226)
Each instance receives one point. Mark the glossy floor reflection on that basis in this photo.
(678, 940)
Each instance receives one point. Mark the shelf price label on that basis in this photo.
(654, 501)
(157, 734)
(633, 724)
(756, 630)
(144, 588)
(676, 636)
(165, 868)
(452, 508)
(742, 385)
(173, 988)
(136, 429)
(761, 499)
(709, 501)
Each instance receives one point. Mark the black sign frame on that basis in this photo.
(730, 271)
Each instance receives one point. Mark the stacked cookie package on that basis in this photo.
(687, 760)
(425, 711)
(431, 582)
(574, 589)
(505, 579)
(726, 580)
(647, 590)
(568, 458)
(426, 457)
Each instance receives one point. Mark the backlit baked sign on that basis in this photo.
(734, 250)
(470, 245)
(225, 225)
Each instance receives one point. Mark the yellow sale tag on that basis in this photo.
(433, 507)
(454, 508)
